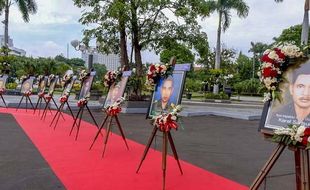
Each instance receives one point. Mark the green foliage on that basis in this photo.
(248, 87)
(182, 53)
(11, 85)
(244, 67)
(219, 96)
(193, 85)
(101, 70)
(291, 34)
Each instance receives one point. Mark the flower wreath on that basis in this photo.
(82, 102)
(64, 98)
(166, 121)
(156, 71)
(67, 78)
(2, 91)
(293, 135)
(112, 77)
(115, 108)
(83, 75)
(274, 63)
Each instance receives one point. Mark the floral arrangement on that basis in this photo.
(155, 72)
(293, 135)
(274, 62)
(115, 108)
(111, 77)
(67, 77)
(2, 91)
(63, 98)
(82, 102)
(41, 94)
(166, 121)
(28, 93)
(83, 75)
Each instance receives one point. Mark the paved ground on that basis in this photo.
(232, 148)
(247, 109)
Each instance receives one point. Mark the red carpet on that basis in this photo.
(79, 168)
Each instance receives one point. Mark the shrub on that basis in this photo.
(219, 96)
(250, 86)
(11, 85)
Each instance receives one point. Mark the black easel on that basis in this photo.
(3, 100)
(302, 170)
(59, 112)
(109, 128)
(166, 136)
(27, 99)
(47, 102)
(79, 116)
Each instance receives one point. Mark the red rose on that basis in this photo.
(265, 58)
(304, 140)
(307, 132)
(152, 68)
(269, 72)
(279, 53)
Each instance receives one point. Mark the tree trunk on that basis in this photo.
(137, 49)
(305, 24)
(123, 40)
(6, 24)
(123, 49)
(218, 51)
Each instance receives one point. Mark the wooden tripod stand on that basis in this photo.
(59, 112)
(166, 136)
(109, 128)
(79, 117)
(3, 101)
(27, 99)
(301, 168)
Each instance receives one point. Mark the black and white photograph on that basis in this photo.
(86, 85)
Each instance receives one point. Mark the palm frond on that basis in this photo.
(241, 7)
(26, 7)
(226, 20)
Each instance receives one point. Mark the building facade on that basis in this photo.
(14, 50)
(111, 61)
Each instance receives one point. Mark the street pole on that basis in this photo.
(90, 61)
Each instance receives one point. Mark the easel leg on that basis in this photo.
(92, 116)
(70, 109)
(20, 102)
(45, 109)
(304, 154)
(107, 135)
(164, 158)
(57, 108)
(26, 103)
(175, 154)
(3, 101)
(298, 163)
(147, 147)
(30, 102)
(99, 131)
(77, 116)
(37, 104)
(60, 110)
(40, 106)
(121, 130)
(267, 167)
(79, 124)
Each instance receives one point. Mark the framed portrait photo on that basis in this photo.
(42, 84)
(168, 91)
(52, 86)
(3, 80)
(27, 85)
(117, 90)
(68, 87)
(86, 85)
(294, 107)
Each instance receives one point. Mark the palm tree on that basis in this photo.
(224, 7)
(305, 23)
(26, 7)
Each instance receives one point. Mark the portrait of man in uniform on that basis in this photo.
(116, 91)
(168, 92)
(295, 107)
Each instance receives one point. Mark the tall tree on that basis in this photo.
(305, 24)
(26, 7)
(224, 7)
(257, 49)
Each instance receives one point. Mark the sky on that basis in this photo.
(56, 24)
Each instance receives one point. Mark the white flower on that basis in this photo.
(273, 55)
(267, 97)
